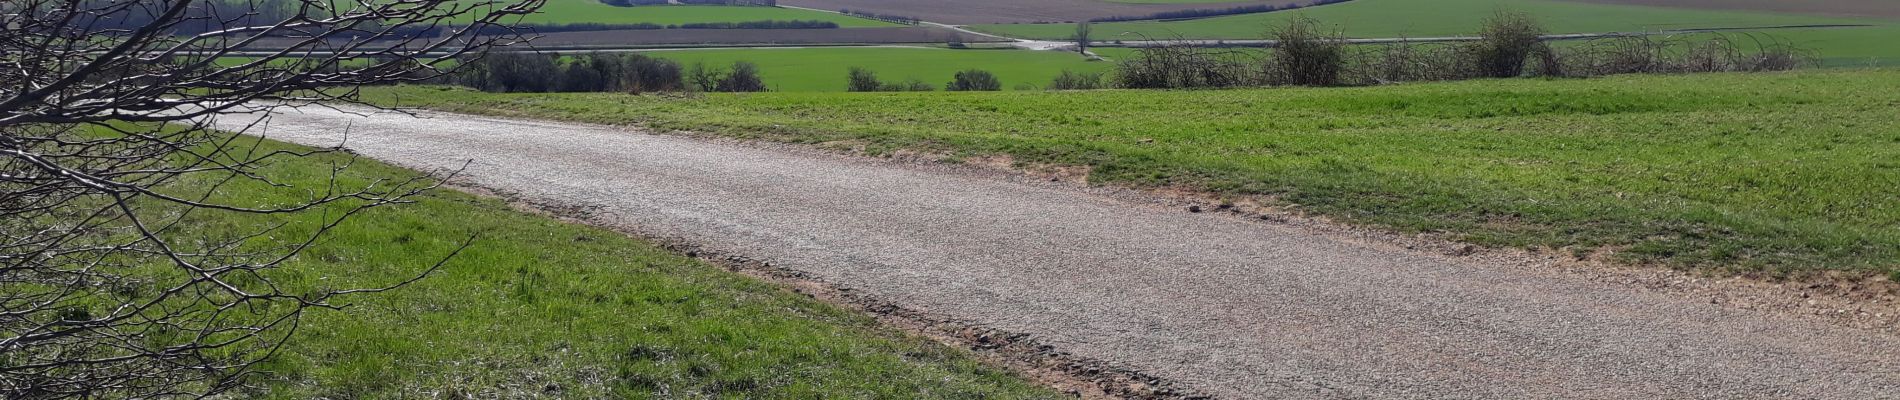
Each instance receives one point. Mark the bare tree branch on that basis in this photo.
(106, 158)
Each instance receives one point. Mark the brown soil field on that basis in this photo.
(724, 37)
(1842, 8)
(1013, 11)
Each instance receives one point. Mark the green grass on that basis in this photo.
(542, 308)
(593, 11)
(1418, 18)
(1774, 173)
(824, 69)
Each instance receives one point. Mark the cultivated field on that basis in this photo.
(1841, 8)
(541, 308)
(1775, 173)
(593, 11)
(1015, 11)
(824, 69)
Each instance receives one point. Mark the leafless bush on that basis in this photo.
(1687, 53)
(859, 79)
(1071, 80)
(1305, 54)
(106, 155)
(1182, 65)
(1550, 62)
(1505, 42)
(1512, 46)
(1406, 62)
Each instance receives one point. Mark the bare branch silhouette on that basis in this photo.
(106, 158)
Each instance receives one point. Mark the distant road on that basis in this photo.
(1232, 307)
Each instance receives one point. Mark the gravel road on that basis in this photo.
(1230, 307)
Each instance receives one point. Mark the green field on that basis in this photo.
(1436, 18)
(824, 69)
(541, 308)
(593, 11)
(1773, 173)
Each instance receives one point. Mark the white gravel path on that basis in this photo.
(1230, 307)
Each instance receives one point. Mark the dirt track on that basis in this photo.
(1231, 307)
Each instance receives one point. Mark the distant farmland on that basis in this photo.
(1412, 18)
(1401, 18)
(1842, 8)
(1016, 11)
(735, 37)
(823, 70)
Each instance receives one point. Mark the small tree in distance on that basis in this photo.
(1083, 31)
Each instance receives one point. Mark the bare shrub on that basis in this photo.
(1405, 61)
(1305, 54)
(1507, 39)
(108, 287)
(912, 85)
(863, 80)
(1550, 62)
(1689, 53)
(1071, 80)
(1512, 45)
(1182, 65)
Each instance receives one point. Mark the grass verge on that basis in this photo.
(1766, 174)
(541, 308)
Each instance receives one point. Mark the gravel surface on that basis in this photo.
(1231, 307)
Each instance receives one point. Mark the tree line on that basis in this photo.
(593, 26)
(896, 19)
(859, 79)
(601, 72)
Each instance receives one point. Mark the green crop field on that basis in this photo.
(593, 11)
(1414, 18)
(823, 69)
(1771, 173)
(541, 308)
